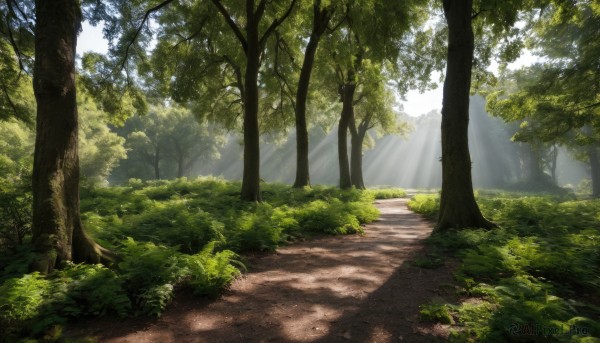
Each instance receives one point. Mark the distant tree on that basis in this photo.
(169, 136)
(374, 110)
(392, 43)
(100, 148)
(557, 101)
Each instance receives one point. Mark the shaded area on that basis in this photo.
(353, 288)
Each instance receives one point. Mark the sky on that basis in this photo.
(416, 104)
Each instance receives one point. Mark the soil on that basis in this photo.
(360, 288)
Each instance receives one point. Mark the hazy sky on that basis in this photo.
(91, 39)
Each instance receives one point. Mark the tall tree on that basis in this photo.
(253, 45)
(458, 207)
(233, 36)
(58, 235)
(321, 17)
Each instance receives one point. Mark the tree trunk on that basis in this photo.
(251, 176)
(180, 167)
(357, 139)
(595, 169)
(156, 163)
(347, 94)
(553, 162)
(458, 208)
(321, 18)
(58, 235)
(532, 165)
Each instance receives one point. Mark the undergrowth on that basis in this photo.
(169, 235)
(534, 279)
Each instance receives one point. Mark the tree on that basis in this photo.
(321, 17)
(100, 149)
(557, 101)
(374, 110)
(362, 41)
(458, 208)
(58, 235)
(169, 141)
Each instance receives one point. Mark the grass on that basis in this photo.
(170, 235)
(534, 279)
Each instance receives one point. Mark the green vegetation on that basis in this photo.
(540, 270)
(169, 235)
(387, 193)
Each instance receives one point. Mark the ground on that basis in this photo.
(333, 289)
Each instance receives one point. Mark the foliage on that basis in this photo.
(426, 205)
(530, 274)
(169, 235)
(166, 142)
(387, 193)
(436, 311)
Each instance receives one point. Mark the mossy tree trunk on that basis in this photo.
(58, 235)
(458, 208)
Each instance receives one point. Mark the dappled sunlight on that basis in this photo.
(308, 291)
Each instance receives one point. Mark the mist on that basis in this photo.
(411, 162)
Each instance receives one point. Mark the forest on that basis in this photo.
(246, 171)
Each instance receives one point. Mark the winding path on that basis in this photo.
(333, 289)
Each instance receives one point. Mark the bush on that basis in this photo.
(387, 193)
(426, 204)
(531, 271)
(21, 301)
(170, 235)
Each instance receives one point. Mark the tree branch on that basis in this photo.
(275, 24)
(232, 24)
(139, 29)
(11, 38)
(260, 10)
(192, 36)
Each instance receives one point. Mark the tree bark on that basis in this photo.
(251, 175)
(347, 95)
(321, 18)
(595, 169)
(458, 208)
(357, 139)
(58, 235)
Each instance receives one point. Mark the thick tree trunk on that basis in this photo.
(595, 169)
(347, 94)
(458, 208)
(321, 18)
(251, 176)
(58, 235)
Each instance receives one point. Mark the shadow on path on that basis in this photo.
(334, 289)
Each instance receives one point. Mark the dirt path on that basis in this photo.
(346, 289)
